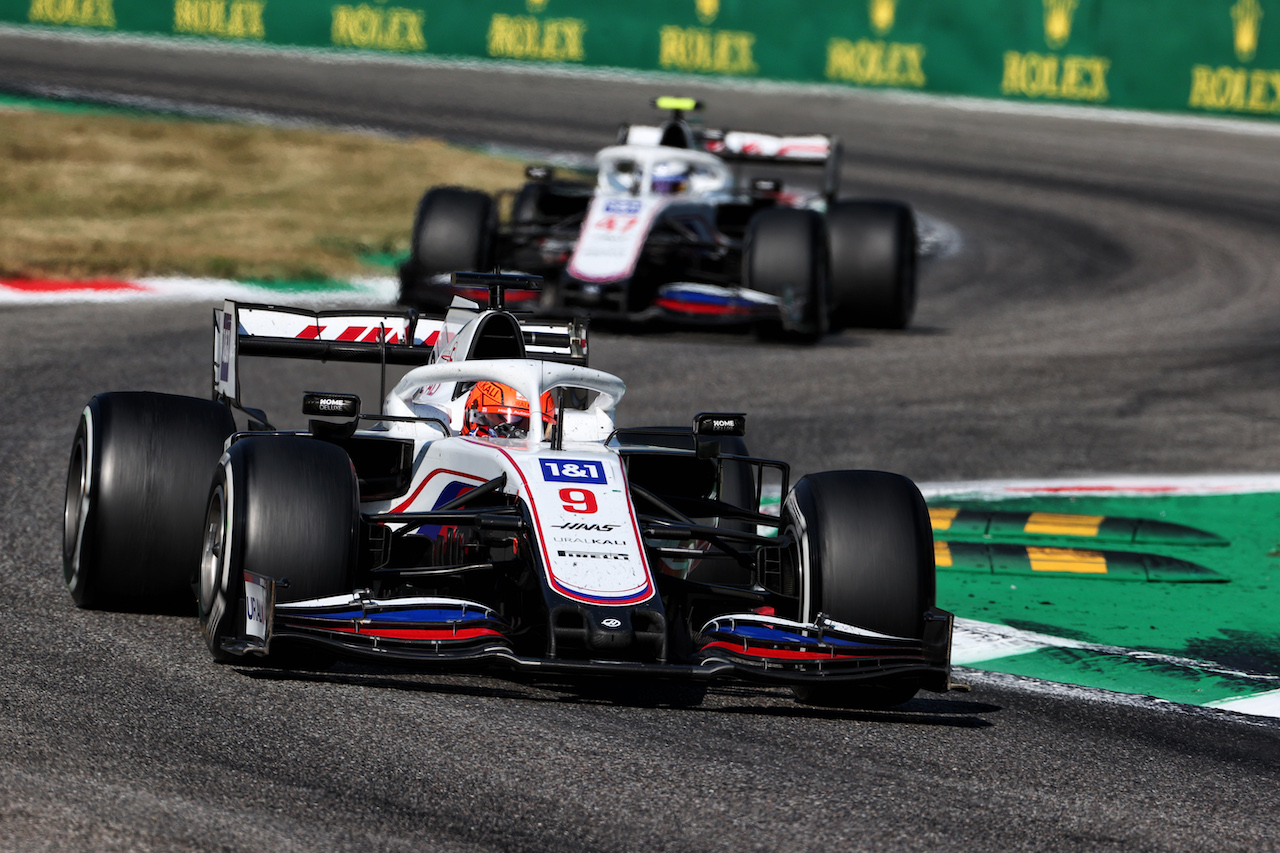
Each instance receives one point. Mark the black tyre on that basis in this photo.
(282, 506)
(873, 264)
(870, 564)
(137, 482)
(452, 230)
(785, 255)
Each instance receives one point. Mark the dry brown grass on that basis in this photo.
(89, 195)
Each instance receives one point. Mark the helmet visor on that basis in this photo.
(491, 419)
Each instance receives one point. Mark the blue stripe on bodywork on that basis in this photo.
(776, 635)
(451, 491)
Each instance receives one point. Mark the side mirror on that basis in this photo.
(720, 423)
(323, 404)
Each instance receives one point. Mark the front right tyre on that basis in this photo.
(286, 507)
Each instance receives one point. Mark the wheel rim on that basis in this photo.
(215, 538)
(74, 511)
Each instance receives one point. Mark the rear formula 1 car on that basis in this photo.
(426, 536)
(684, 224)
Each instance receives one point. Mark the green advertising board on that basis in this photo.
(1218, 56)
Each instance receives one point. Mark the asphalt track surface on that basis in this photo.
(1111, 306)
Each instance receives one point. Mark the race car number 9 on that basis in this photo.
(578, 500)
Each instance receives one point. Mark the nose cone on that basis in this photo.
(611, 634)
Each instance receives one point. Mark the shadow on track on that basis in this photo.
(924, 710)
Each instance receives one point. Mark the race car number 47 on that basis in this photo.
(572, 471)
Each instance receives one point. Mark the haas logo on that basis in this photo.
(582, 525)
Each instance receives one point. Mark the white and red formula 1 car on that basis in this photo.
(682, 224)
(458, 527)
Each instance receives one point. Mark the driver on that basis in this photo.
(499, 411)
(670, 177)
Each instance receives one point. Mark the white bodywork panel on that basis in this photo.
(584, 523)
(625, 204)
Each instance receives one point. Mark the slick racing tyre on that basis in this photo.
(137, 482)
(785, 255)
(873, 264)
(452, 231)
(869, 563)
(286, 507)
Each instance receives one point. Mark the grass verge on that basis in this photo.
(121, 195)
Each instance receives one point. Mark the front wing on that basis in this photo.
(436, 633)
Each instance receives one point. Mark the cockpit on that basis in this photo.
(659, 170)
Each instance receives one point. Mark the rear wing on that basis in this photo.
(373, 337)
(814, 149)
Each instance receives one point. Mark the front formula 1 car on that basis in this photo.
(681, 224)
(459, 527)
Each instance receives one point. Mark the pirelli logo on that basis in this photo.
(592, 555)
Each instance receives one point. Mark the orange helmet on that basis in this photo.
(499, 410)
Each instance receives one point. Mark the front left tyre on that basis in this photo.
(285, 507)
(867, 550)
(785, 255)
(137, 481)
(873, 264)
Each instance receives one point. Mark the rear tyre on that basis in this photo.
(785, 255)
(286, 507)
(137, 482)
(869, 563)
(873, 264)
(452, 230)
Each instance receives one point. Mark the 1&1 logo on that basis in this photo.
(573, 471)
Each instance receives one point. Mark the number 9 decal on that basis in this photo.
(578, 500)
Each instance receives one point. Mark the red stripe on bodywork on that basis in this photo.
(794, 654)
(352, 333)
(372, 337)
(310, 333)
(416, 633)
(702, 307)
(408, 501)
